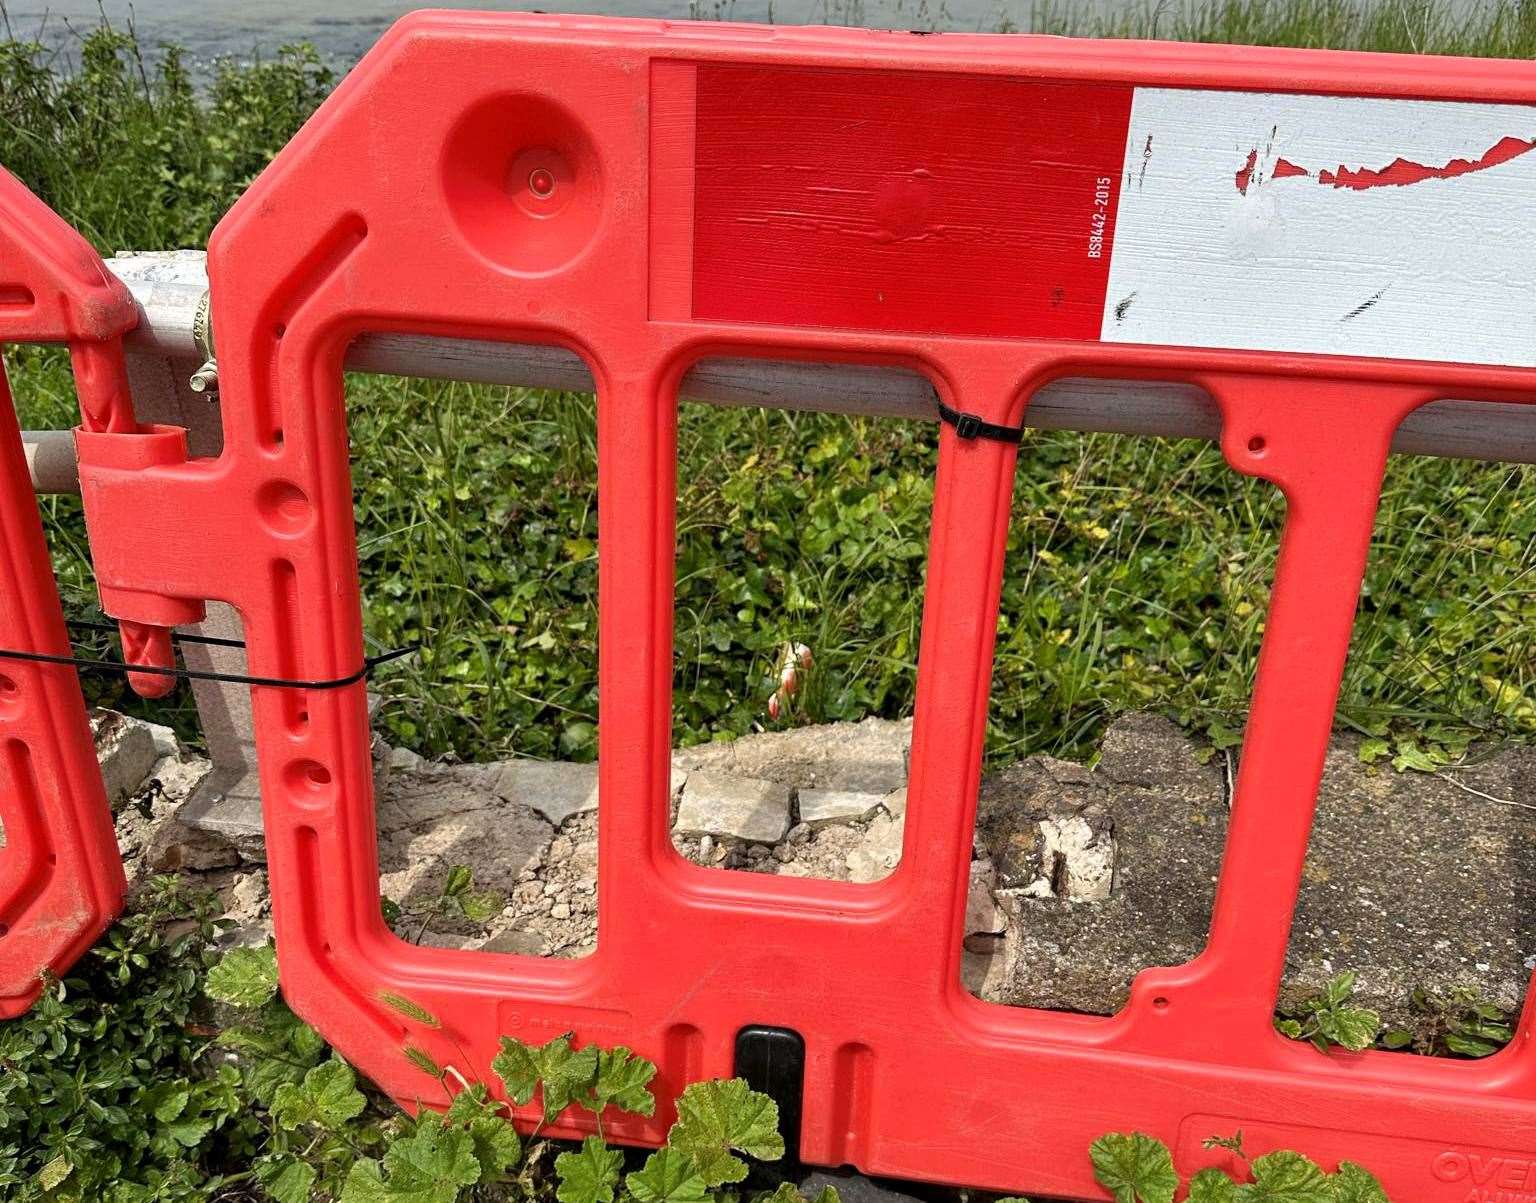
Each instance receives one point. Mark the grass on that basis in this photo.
(1138, 569)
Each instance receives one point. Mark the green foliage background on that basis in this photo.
(1137, 570)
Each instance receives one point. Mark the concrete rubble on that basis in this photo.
(1080, 876)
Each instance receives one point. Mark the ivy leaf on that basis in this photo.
(715, 1117)
(285, 1178)
(1356, 1184)
(588, 1176)
(1353, 1027)
(1134, 1167)
(623, 1081)
(328, 1096)
(1372, 750)
(244, 977)
(1211, 1186)
(1286, 1177)
(364, 1184)
(667, 1177)
(432, 1165)
(563, 1073)
(496, 1143)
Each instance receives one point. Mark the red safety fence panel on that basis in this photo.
(1323, 242)
(61, 881)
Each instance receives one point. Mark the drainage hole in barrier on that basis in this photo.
(309, 779)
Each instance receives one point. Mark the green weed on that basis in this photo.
(1138, 570)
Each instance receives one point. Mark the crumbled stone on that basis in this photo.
(879, 852)
(981, 913)
(1081, 856)
(740, 808)
(1081, 879)
(125, 750)
(401, 760)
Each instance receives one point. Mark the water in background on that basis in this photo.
(344, 29)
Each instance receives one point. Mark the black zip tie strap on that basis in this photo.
(84, 664)
(970, 426)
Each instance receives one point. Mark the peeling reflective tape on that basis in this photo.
(1327, 224)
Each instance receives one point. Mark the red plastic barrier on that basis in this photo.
(1322, 241)
(61, 881)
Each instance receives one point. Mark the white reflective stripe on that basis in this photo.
(1342, 260)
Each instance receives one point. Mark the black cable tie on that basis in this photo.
(85, 664)
(971, 426)
(110, 628)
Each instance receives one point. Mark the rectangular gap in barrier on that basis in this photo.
(476, 514)
(802, 544)
(1134, 591)
(1418, 874)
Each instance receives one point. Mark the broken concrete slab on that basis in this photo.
(818, 807)
(431, 820)
(728, 806)
(1410, 881)
(869, 756)
(556, 789)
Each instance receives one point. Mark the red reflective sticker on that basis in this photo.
(838, 198)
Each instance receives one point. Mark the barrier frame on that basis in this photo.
(906, 1074)
(61, 879)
